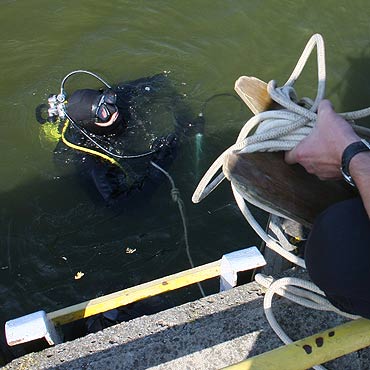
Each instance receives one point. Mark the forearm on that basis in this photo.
(360, 171)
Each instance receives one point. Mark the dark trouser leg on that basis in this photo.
(337, 256)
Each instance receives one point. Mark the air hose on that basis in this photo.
(86, 150)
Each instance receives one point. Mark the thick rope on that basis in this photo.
(273, 244)
(281, 130)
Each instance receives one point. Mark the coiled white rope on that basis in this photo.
(279, 130)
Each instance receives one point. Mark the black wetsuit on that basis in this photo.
(337, 255)
(155, 118)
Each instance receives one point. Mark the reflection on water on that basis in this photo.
(52, 224)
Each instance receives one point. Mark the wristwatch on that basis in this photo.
(348, 153)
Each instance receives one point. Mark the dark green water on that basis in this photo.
(49, 227)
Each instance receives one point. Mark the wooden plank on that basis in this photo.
(134, 294)
(271, 184)
(253, 92)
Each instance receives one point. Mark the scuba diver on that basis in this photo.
(119, 136)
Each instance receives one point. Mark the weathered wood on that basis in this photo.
(254, 93)
(286, 190)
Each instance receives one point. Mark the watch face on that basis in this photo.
(347, 177)
(367, 144)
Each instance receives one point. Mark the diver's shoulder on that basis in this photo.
(146, 84)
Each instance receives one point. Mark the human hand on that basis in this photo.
(320, 153)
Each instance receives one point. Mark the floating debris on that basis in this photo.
(130, 250)
(79, 275)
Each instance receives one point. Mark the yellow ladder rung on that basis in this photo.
(134, 294)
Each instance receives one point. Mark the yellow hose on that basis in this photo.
(87, 150)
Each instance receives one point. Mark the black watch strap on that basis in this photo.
(348, 154)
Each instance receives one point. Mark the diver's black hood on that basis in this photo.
(80, 109)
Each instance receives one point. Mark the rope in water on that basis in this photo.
(175, 194)
(280, 130)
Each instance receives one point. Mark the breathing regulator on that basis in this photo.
(56, 107)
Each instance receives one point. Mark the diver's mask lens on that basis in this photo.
(106, 106)
(110, 97)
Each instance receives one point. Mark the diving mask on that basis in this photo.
(106, 106)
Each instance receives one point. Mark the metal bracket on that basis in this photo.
(232, 263)
(31, 327)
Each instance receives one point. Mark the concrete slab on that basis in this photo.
(210, 333)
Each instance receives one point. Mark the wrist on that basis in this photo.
(359, 165)
(348, 137)
(353, 159)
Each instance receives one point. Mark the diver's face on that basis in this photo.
(106, 107)
(108, 123)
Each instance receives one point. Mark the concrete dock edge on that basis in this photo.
(210, 333)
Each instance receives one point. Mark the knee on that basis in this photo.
(320, 247)
(337, 248)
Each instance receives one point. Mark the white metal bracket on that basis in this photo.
(242, 260)
(31, 327)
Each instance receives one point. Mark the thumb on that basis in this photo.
(290, 157)
(325, 105)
